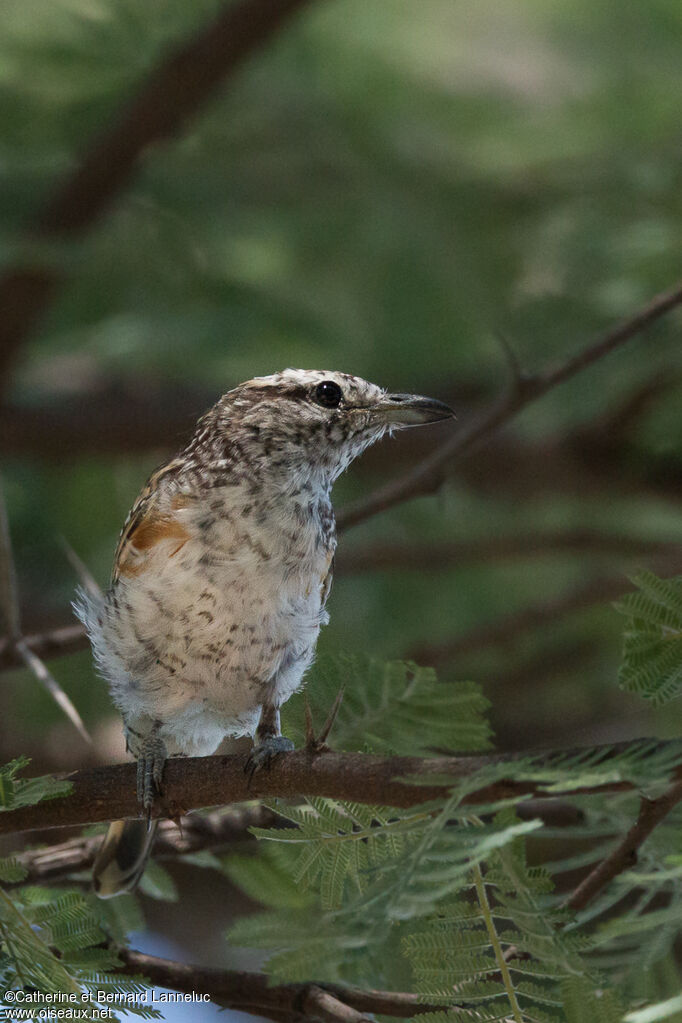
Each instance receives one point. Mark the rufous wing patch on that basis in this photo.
(147, 528)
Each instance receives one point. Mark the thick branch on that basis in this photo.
(252, 992)
(624, 856)
(102, 793)
(430, 475)
(174, 92)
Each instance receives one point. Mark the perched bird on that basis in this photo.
(221, 577)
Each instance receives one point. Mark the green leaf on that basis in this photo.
(391, 707)
(652, 649)
(16, 792)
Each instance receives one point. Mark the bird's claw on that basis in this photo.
(150, 766)
(264, 753)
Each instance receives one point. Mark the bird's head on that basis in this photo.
(313, 422)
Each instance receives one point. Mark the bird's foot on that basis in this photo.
(150, 766)
(264, 753)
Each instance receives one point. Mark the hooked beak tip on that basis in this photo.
(413, 410)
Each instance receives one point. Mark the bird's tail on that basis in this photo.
(122, 857)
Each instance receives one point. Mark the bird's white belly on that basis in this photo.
(213, 642)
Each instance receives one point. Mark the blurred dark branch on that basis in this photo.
(133, 415)
(9, 608)
(428, 477)
(512, 627)
(174, 92)
(49, 864)
(254, 993)
(193, 833)
(624, 856)
(459, 553)
(104, 793)
(53, 643)
(123, 417)
(69, 639)
(597, 457)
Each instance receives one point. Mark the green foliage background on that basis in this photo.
(382, 190)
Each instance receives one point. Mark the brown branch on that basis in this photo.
(127, 415)
(252, 992)
(9, 606)
(428, 477)
(192, 783)
(50, 864)
(67, 639)
(457, 553)
(651, 813)
(123, 416)
(175, 91)
(193, 833)
(509, 628)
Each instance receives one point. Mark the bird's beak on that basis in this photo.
(411, 410)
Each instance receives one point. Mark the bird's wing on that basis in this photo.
(147, 525)
(326, 582)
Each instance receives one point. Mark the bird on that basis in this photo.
(221, 578)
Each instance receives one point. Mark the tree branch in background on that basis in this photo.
(9, 603)
(512, 627)
(50, 864)
(122, 416)
(191, 783)
(70, 639)
(66, 639)
(182, 83)
(428, 477)
(193, 833)
(459, 553)
(252, 992)
(624, 856)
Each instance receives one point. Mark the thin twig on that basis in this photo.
(67, 639)
(331, 718)
(83, 573)
(192, 783)
(651, 813)
(430, 475)
(9, 594)
(9, 598)
(49, 682)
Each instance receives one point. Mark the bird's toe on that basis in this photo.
(264, 753)
(150, 766)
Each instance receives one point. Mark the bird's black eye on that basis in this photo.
(329, 394)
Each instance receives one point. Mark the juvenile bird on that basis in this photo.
(221, 576)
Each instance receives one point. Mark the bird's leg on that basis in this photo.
(269, 741)
(150, 762)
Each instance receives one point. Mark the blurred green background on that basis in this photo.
(385, 189)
